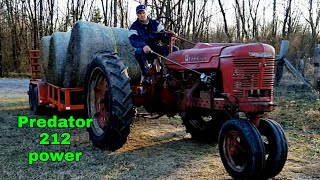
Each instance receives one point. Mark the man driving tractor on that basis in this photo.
(145, 34)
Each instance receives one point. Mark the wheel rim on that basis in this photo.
(267, 145)
(98, 101)
(235, 151)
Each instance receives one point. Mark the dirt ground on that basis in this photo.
(156, 149)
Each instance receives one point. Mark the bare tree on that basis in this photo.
(105, 8)
(287, 17)
(123, 6)
(237, 23)
(313, 22)
(274, 20)
(51, 9)
(224, 20)
(241, 14)
(77, 9)
(254, 14)
(115, 17)
(41, 18)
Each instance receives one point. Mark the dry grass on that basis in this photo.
(156, 149)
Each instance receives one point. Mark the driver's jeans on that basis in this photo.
(143, 57)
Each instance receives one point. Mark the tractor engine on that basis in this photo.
(238, 78)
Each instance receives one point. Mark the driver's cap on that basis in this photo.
(141, 7)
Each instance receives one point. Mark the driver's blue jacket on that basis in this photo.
(141, 35)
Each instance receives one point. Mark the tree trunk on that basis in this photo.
(194, 18)
(115, 20)
(41, 19)
(313, 25)
(105, 11)
(243, 20)
(286, 18)
(35, 26)
(225, 21)
(237, 24)
(51, 9)
(274, 22)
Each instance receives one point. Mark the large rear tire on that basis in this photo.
(276, 147)
(108, 101)
(241, 149)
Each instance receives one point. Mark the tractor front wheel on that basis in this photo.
(108, 101)
(276, 146)
(241, 149)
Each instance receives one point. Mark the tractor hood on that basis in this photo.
(252, 50)
(207, 55)
(201, 56)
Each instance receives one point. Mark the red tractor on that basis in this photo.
(221, 91)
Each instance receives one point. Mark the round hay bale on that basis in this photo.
(87, 38)
(44, 54)
(57, 57)
(126, 53)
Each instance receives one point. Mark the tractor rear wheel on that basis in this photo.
(276, 147)
(202, 128)
(241, 149)
(108, 101)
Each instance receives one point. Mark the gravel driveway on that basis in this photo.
(14, 88)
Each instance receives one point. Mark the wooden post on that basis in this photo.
(300, 63)
(280, 62)
(316, 63)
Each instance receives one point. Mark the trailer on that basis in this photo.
(43, 94)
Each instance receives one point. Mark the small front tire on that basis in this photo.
(276, 147)
(241, 149)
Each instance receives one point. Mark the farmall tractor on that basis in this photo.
(221, 91)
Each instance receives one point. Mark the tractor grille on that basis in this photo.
(252, 74)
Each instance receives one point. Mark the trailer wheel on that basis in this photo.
(31, 97)
(203, 129)
(241, 149)
(35, 107)
(108, 101)
(276, 146)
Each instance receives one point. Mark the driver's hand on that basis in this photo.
(146, 49)
(172, 33)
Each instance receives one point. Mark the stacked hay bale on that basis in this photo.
(88, 38)
(57, 57)
(126, 53)
(44, 54)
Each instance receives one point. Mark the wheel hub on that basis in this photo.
(235, 151)
(101, 110)
(98, 101)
